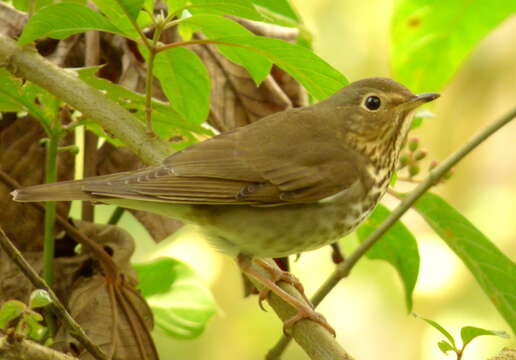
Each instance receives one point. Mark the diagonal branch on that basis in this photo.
(344, 268)
(75, 329)
(26, 63)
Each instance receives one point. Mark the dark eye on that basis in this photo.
(372, 103)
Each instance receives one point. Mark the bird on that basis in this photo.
(291, 182)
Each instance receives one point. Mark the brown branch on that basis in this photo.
(315, 340)
(12, 348)
(38, 282)
(26, 63)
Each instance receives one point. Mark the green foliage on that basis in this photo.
(280, 7)
(215, 27)
(184, 80)
(398, 247)
(317, 76)
(9, 311)
(467, 334)
(55, 21)
(179, 300)
(430, 39)
(39, 298)
(25, 321)
(166, 120)
(495, 272)
(240, 8)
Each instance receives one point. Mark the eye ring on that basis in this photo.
(372, 103)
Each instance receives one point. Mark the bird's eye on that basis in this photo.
(372, 103)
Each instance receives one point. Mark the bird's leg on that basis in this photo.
(304, 310)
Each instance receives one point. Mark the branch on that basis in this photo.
(26, 63)
(344, 268)
(23, 349)
(75, 329)
(315, 340)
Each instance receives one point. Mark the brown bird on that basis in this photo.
(291, 182)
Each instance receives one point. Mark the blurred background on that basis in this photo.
(367, 309)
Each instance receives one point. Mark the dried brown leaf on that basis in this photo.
(114, 315)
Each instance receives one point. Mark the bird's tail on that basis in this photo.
(59, 191)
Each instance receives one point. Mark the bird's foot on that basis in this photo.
(307, 313)
(278, 275)
(304, 309)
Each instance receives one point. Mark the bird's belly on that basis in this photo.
(281, 231)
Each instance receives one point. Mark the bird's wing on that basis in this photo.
(243, 167)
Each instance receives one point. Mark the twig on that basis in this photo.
(16, 349)
(435, 175)
(75, 329)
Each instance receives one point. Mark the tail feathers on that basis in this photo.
(61, 191)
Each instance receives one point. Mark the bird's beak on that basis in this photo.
(420, 99)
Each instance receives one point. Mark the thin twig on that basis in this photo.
(75, 329)
(344, 269)
(16, 349)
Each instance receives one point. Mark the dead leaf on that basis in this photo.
(114, 315)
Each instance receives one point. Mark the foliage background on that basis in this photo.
(368, 309)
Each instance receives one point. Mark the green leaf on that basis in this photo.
(240, 8)
(184, 80)
(468, 333)
(119, 13)
(281, 7)
(495, 272)
(445, 346)
(214, 27)
(23, 5)
(9, 93)
(176, 5)
(419, 117)
(181, 303)
(166, 121)
(10, 310)
(440, 329)
(55, 21)
(39, 298)
(317, 76)
(15, 97)
(398, 247)
(430, 39)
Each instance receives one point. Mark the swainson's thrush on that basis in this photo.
(291, 182)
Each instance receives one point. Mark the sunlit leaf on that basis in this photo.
(468, 333)
(10, 310)
(445, 346)
(431, 39)
(39, 298)
(398, 247)
(119, 13)
(56, 22)
(180, 301)
(495, 272)
(240, 8)
(318, 77)
(280, 7)
(441, 329)
(214, 27)
(184, 80)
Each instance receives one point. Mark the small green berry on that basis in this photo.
(413, 144)
(413, 170)
(420, 155)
